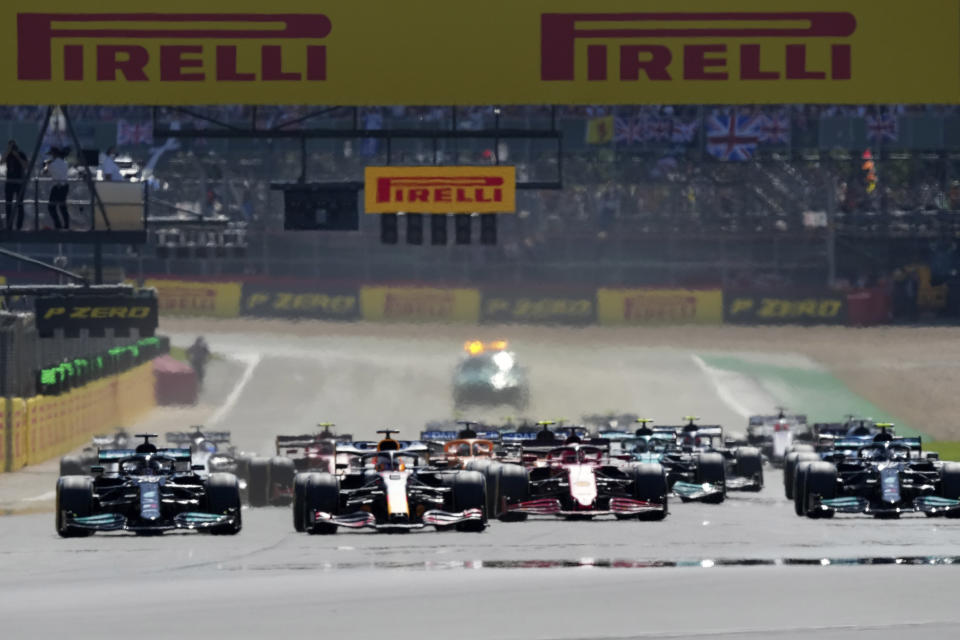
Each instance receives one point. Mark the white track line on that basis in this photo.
(723, 390)
(49, 495)
(251, 360)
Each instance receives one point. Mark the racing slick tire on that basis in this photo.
(469, 492)
(748, 464)
(819, 478)
(223, 497)
(299, 504)
(711, 468)
(514, 488)
(491, 473)
(243, 466)
(258, 483)
(321, 492)
(950, 484)
(282, 472)
(650, 485)
(73, 466)
(800, 474)
(790, 463)
(74, 494)
(803, 447)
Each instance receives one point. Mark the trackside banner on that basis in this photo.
(197, 298)
(419, 304)
(753, 307)
(440, 189)
(573, 308)
(344, 52)
(299, 300)
(96, 314)
(659, 306)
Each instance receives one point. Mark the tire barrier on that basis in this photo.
(176, 382)
(45, 427)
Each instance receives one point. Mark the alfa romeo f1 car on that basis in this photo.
(574, 478)
(147, 490)
(489, 376)
(271, 479)
(775, 434)
(390, 489)
(885, 477)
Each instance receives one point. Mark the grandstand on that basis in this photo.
(652, 195)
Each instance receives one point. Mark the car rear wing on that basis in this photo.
(616, 435)
(115, 455)
(755, 421)
(363, 447)
(447, 436)
(187, 437)
(609, 420)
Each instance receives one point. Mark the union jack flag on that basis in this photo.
(684, 132)
(883, 128)
(134, 133)
(659, 128)
(731, 137)
(775, 129)
(627, 130)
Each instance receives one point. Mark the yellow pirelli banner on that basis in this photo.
(344, 52)
(659, 306)
(440, 189)
(419, 304)
(196, 298)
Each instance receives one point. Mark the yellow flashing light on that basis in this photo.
(476, 347)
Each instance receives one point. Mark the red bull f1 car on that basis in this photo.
(390, 488)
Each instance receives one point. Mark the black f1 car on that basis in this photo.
(701, 465)
(884, 477)
(78, 464)
(147, 490)
(389, 489)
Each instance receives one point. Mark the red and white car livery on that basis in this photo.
(580, 480)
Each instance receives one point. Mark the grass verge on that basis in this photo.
(947, 450)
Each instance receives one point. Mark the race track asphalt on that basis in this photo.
(747, 568)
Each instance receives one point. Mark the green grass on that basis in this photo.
(947, 450)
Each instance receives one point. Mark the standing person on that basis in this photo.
(108, 166)
(16, 162)
(198, 354)
(57, 170)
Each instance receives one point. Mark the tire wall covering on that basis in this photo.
(45, 427)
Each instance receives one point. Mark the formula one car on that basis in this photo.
(849, 434)
(390, 489)
(742, 465)
(479, 450)
(147, 490)
(271, 479)
(884, 477)
(79, 464)
(489, 376)
(775, 434)
(577, 478)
